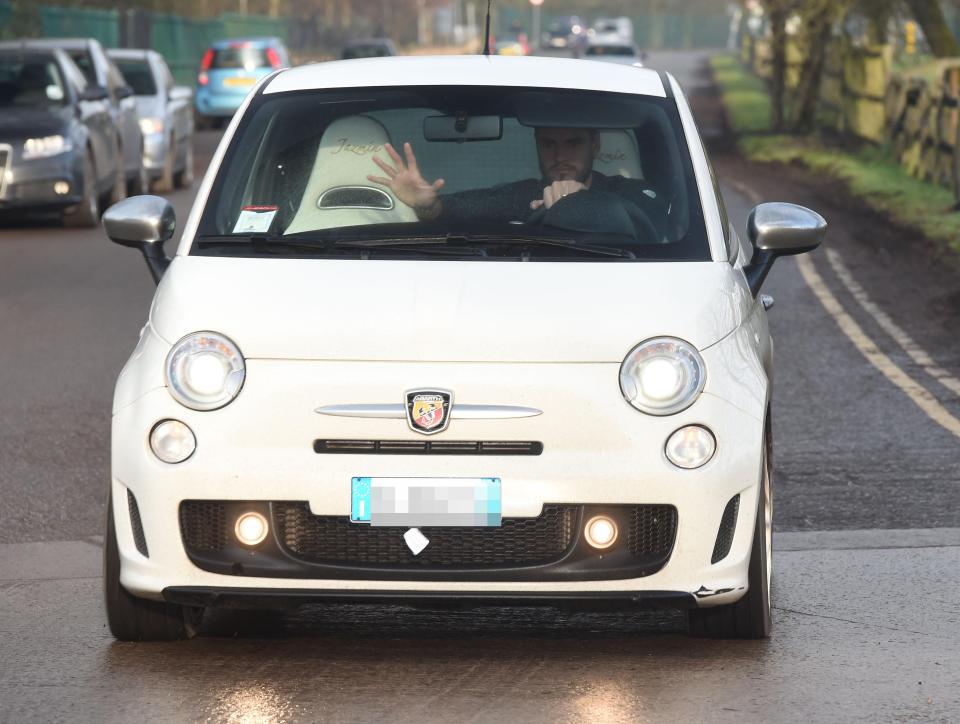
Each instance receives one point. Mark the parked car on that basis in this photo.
(368, 48)
(99, 70)
(413, 371)
(566, 33)
(166, 117)
(57, 139)
(511, 44)
(229, 69)
(613, 52)
(612, 29)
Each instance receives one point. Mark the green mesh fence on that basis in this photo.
(57, 22)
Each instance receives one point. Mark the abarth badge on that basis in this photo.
(428, 411)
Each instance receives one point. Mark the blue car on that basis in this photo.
(229, 69)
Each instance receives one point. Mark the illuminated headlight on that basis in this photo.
(205, 371)
(690, 447)
(149, 126)
(172, 441)
(45, 147)
(662, 376)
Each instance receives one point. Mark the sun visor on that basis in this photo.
(568, 110)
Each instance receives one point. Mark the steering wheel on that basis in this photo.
(597, 212)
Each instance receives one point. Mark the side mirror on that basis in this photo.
(124, 91)
(780, 229)
(94, 93)
(144, 223)
(180, 93)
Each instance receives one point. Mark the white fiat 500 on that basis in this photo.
(450, 328)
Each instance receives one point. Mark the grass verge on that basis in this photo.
(869, 173)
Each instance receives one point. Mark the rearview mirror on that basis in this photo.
(145, 223)
(462, 127)
(780, 229)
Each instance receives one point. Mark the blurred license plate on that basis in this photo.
(415, 502)
(238, 81)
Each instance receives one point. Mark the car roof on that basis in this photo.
(369, 41)
(466, 70)
(129, 53)
(221, 44)
(64, 43)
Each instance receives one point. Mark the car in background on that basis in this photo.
(91, 57)
(612, 30)
(615, 51)
(166, 117)
(229, 69)
(57, 138)
(512, 44)
(368, 48)
(568, 32)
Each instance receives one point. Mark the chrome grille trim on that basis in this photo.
(457, 411)
(427, 447)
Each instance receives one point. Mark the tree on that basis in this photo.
(929, 16)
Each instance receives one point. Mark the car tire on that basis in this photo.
(87, 213)
(750, 617)
(137, 619)
(183, 179)
(164, 184)
(118, 192)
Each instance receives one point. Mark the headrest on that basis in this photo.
(338, 192)
(619, 155)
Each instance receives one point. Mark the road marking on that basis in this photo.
(920, 396)
(914, 350)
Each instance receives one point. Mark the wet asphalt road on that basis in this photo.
(866, 621)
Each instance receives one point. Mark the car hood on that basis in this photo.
(21, 123)
(447, 311)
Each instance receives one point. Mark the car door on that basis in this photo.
(96, 117)
(126, 116)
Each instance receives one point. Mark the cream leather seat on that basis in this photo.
(338, 192)
(619, 155)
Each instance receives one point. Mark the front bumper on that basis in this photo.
(597, 451)
(29, 185)
(155, 150)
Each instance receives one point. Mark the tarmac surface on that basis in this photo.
(867, 525)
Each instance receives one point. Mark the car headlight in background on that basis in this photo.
(149, 126)
(205, 371)
(45, 147)
(690, 447)
(662, 376)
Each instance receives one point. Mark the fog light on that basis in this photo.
(172, 441)
(690, 447)
(251, 529)
(600, 531)
(61, 188)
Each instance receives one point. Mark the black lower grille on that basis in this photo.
(334, 540)
(728, 525)
(203, 525)
(549, 547)
(136, 525)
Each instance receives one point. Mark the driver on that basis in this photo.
(566, 158)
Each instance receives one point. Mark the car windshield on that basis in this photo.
(30, 81)
(617, 50)
(138, 76)
(367, 50)
(466, 170)
(246, 57)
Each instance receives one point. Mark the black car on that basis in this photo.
(368, 48)
(57, 138)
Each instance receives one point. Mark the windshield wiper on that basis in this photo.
(500, 240)
(281, 244)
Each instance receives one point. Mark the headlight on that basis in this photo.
(151, 125)
(46, 146)
(662, 376)
(205, 371)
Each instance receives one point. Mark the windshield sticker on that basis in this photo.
(255, 219)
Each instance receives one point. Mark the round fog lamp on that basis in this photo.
(690, 447)
(172, 441)
(600, 531)
(61, 187)
(251, 529)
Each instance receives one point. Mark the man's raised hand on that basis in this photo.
(405, 180)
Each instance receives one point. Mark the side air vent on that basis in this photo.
(136, 525)
(728, 524)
